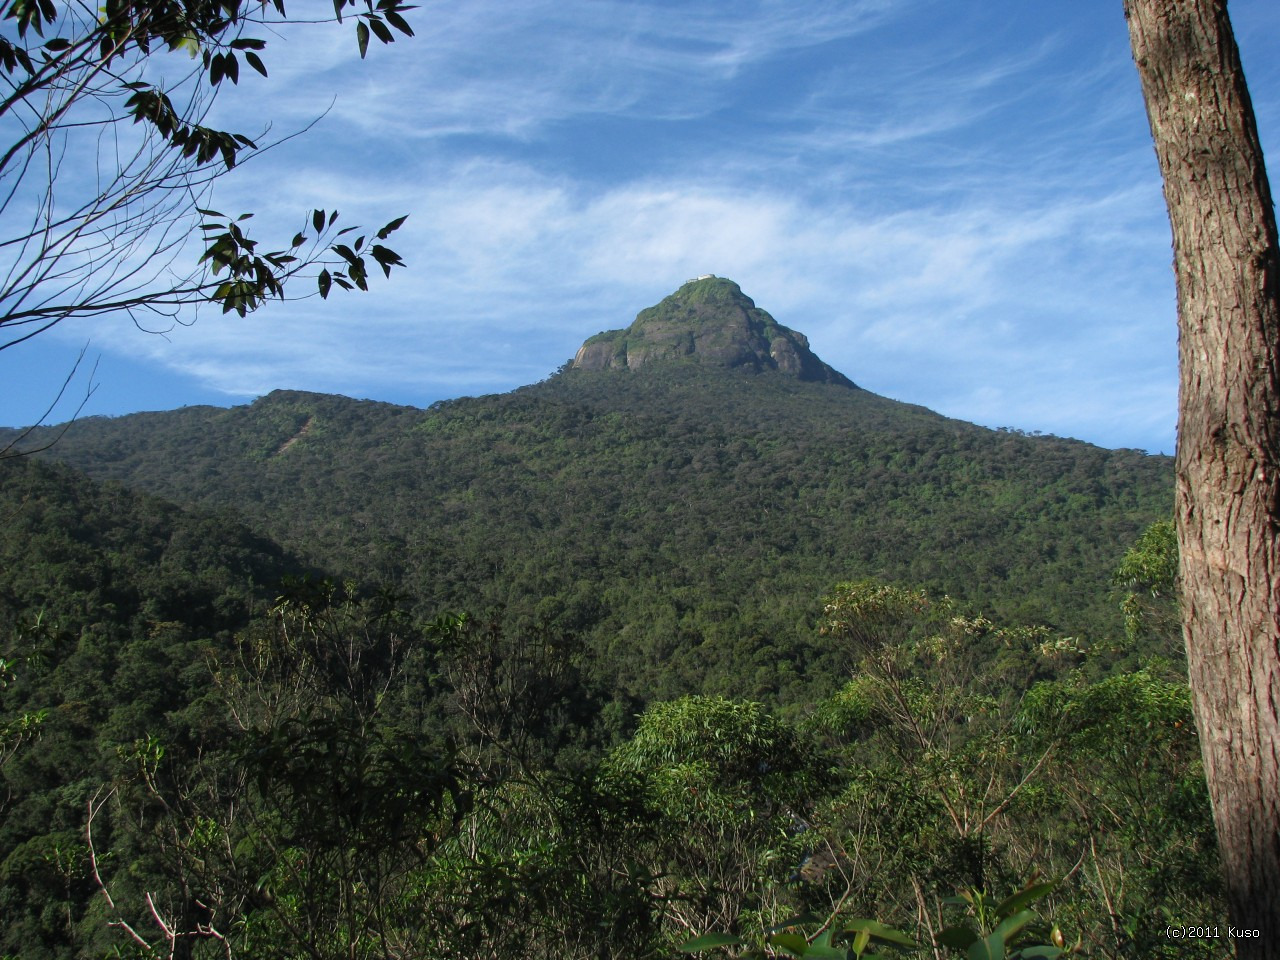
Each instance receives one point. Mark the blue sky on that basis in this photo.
(957, 202)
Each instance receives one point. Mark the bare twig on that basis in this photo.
(94, 806)
(10, 449)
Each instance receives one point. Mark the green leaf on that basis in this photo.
(392, 227)
(794, 943)
(362, 38)
(880, 931)
(398, 22)
(325, 280)
(708, 941)
(386, 258)
(359, 275)
(380, 30)
(1017, 901)
(1010, 927)
(860, 942)
(824, 951)
(317, 220)
(255, 61)
(958, 938)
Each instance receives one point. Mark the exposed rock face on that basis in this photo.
(708, 320)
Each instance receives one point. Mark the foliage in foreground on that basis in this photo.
(317, 772)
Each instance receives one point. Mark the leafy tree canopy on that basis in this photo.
(108, 172)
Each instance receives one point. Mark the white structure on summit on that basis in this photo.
(705, 276)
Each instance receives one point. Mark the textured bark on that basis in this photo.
(1228, 463)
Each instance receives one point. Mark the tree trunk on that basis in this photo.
(1228, 462)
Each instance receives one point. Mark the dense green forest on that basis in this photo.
(312, 770)
(617, 661)
(684, 525)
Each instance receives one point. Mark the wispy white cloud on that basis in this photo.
(512, 269)
(501, 69)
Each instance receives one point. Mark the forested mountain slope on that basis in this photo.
(685, 513)
(110, 602)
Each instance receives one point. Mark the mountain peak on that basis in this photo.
(708, 320)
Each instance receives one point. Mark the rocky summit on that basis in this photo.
(708, 320)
